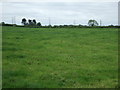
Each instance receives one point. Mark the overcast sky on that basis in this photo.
(61, 12)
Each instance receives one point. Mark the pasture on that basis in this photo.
(60, 57)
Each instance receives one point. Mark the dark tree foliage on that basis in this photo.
(30, 22)
(34, 21)
(38, 24)
(92, 23)
(24, 21)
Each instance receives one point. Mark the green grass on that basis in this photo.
(60, 57)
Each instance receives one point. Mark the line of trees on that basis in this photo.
(34, 23)
(30, 22)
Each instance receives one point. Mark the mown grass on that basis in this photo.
(60, 57)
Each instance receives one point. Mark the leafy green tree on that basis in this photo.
(39, 24)
(92, 23)
(30, 22)
(34, 22)
(24, 21)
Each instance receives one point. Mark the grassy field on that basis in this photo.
(60, 57)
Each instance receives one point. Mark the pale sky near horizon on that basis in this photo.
(61, 12)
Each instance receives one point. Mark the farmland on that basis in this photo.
(60, 57)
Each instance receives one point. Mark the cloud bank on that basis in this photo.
(61, 12)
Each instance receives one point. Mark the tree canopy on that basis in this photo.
(24, 21)
(30, 22)
(92, 23)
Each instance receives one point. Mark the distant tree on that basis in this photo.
(24, 21)
(80, 25)
(30, 22)
(2, 23)
(38, 24)
(49, 25)
(111, 25)
(92, 23)
(55, 26)
(34, 22)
